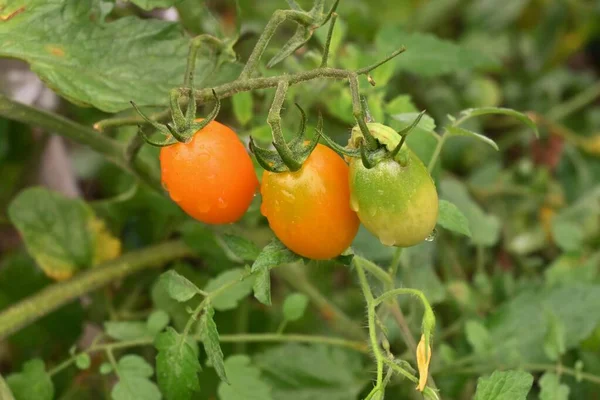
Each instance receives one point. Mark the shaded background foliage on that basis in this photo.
(522, 292)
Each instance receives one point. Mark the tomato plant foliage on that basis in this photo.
(449, 250)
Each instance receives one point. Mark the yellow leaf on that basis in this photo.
(107, 247)
(423, 359)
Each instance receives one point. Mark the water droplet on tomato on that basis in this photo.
(289, 196)
(221, 203)
(431, 236)
(388, 241)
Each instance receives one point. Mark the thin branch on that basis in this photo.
(328, 41)
(114, 151)
(56, 295)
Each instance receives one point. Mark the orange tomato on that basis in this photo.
(309, 210)
(211, 177)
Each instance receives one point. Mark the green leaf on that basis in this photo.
(133, 372)
(428, 55)
(131, 59)
(476, 112)
(105, 368)
(478, 337)
(451, 218)
(294, 306)
(519, 327)
(552, 389)
(504, 385)
(456, 131)
(33, 383)
(317, 372)
(262, 286)
(210, 339)
(485, 228)
(83, 361)
(241, 247)
(157, 321)
(177, 366)
(419, 271)
(245, 381)
(569, 235)
(400, 104)
(151, 4)
(179, 287)
(243, 107)
(126, 330)
(554, 340)
(272, 255)
(62, 234)
(5, 393)
(229, 299)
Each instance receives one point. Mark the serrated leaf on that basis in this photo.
(262, 286)
(157, 321)
(241, 247)
(428, 55)
(451, 218)
(62, 234)
(132, 58)
(242, 107)
(504, 385)
(133, 372)
(33, 383)
(126, 330)
(245, 381)
(210, 339)
(457, 131)
(485, 228)
(272, 255)
(316, 372)
(552, 389)
(476, 112)
(177, 366)
(179, 287)
(294, 306)
(230, 298)
(519, 327)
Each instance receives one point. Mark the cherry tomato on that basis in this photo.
(211, 177)
(396, 200)
(309, 210)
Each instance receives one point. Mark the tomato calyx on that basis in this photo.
(389, 143)
(288, 156)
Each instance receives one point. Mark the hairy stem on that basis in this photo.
(54, 296)
(111, 149)
(297, 279)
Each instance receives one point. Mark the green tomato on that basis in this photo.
(396, 200)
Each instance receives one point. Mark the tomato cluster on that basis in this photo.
(315, 211)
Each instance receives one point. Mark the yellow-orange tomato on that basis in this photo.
(309, 210)
(211, 177)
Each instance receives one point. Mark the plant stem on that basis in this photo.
(54, 296)
(112, 149)
(371, 321)
(436, 152)
(563, 110)
(296, 278)
(235, 338)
